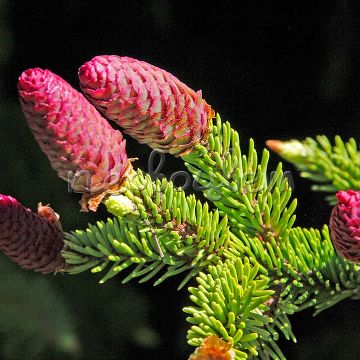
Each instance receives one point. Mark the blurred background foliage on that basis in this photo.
(275, 69)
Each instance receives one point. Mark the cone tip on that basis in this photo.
(6, 200)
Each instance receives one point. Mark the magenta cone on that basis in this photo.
(30, 240)
(150, 104)
(345, 225)
(81, 145)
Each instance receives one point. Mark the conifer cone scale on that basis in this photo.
(81, 145)
(345, 225)
(30, 240)
(150, 104)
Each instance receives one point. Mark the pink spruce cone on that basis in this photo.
(150, 104)
(345, 225)
(32, 241)
(81, 145)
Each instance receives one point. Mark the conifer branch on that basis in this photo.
(300, 265)
(252, 270)
(231, 302)
(332, 167)
(151, 214)
(239, 185)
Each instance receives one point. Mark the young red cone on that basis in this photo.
(81, 145)
(150, 104)
(345, 225)
(32, 241)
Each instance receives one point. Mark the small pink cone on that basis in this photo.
(81, 145)
(30, 240)
(150, 104)
(345, 225)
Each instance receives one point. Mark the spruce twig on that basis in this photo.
(332, 167)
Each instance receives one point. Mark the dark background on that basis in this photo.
(275, 69)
